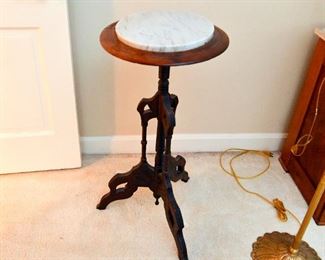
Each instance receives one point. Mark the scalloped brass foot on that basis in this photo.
(276, 246)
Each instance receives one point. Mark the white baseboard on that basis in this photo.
(182, 142)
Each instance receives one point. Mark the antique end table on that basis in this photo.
(163, 39)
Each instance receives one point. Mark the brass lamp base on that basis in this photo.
(276, 246)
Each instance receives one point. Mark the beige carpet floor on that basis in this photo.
(52, 215)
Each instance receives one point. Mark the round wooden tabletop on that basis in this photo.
(217, 45)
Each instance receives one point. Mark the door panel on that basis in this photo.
(38, 122)
(21, 53)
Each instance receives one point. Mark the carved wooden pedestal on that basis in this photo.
(161, 106)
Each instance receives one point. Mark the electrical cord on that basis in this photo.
(299, 148)
(275, 203)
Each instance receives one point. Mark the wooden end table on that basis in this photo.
(161, 106)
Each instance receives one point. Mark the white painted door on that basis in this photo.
(38, 122)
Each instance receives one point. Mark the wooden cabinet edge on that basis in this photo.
(287, 159)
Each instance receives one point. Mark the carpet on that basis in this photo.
(52, 214)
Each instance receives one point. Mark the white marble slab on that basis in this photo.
(164, 31)
(320, 33)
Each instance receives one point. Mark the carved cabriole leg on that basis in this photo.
(141, 175)
(167, 109)
(172, 211)
(174, 216)
(176, 166)
(146, 115)
(120, 193)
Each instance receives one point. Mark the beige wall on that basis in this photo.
(251, 88)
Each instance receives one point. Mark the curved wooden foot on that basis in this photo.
(116, 194)
(174, 216)
(141, 175)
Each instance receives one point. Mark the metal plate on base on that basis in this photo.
(276, 246)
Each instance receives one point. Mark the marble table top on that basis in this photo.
(164, 31)
(320, 33)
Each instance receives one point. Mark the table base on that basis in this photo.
(167, 168)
